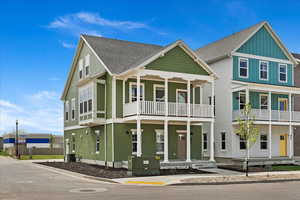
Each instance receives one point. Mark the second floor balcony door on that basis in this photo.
(181, 102)
(283, 104)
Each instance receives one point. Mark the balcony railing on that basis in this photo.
(264, 115)
(92, 118)
(174, 109)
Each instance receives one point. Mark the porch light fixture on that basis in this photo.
(127, 132)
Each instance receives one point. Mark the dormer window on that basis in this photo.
(282, 72)
(243, 68)
(80, 69)
(87, 65)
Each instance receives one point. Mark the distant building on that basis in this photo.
(1, 143)
(30, 140)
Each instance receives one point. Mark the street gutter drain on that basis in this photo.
(88, 190)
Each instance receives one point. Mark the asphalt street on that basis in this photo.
(24, 180)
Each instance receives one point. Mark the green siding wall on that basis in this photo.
(262, 44)
(177, 60)
(253, 75)
(254, 100)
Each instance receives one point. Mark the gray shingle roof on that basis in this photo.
(225, 46)
(119, 55)
(296, 55)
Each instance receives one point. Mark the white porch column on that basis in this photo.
(213, 98)
(290, 106)
(188, 141)
(291, 141)
(166, 144)
(212, 142)
(139, 138)
(138, 88)
(201, 94)
(247, 96)
(270, 123)
(166, 97)
(189, 98)
(123, 96)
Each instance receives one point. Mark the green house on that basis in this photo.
(126, 99)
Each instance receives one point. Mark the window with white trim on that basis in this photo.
(87, 65)
(282, 72)
(73, 143)
(263, 101)
(205, 141)
(159, 141)
(67, 110)
(223, 140)
(159, 93)
(263, 70)
(73, 109)
(242, 100)
(263, 142)
(243, 68)
(97, 143)
(243, 144)
(86, 99)
(134, 141)
(133, 92)
(80, 68)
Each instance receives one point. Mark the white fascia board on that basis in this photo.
(262, 58)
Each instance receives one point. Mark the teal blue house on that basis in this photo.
(254, 67)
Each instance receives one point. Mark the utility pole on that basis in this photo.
(17, 141)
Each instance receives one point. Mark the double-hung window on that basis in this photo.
(80, 63)
(159, 141)
(73, 109)
(263, 142)
(86, 99)
(223, 141)
(67, 110)
(87, 65)
(242, 100)
(204, 141)
(243, 68)
(282, 72)
(133, 92)
(134, 141)
(263, 70)
(263, 101)
(243, 144)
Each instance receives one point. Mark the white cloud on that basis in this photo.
(93, 24)
(41, 112)
(67, 45)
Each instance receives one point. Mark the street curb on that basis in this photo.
(235, 182)
(76, 174)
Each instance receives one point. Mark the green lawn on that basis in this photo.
(42, 157)
(285, 168)
(2, 153)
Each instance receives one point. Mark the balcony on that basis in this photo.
(152, 108)
(264, 115)
(92, 118)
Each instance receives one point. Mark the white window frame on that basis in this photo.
(87, 65)
(260, 70)
(155, 86)
(159, 132)
(130, 90)
(241, 139)
(84, 89)
(73, 108)
(286, 72)
(67, 110)
(240, 99)
(181, 90)
(80, 68)
(266, 141)
(204, 149)
(97, 132)
(223, 132)
(260, 105)
(247, 61)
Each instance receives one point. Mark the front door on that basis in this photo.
(181, 146)
(283, 145)
(283, 104)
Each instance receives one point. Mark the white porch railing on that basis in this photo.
(174, 109)
(263, 115)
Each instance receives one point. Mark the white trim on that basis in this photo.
(159, 132)
(130, 88)
(181, 90)
(114, 99)
(286, 72)
(221, 140)
(67, 109)
(241, 92)
(204, 150)
(154, 90)
(262, 58)
(266, 95)
(68, 128)
(73, 103)
(280, 99)
(260, 62)
(239, 67)
(181, 131)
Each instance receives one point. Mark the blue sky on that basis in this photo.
(38, 40)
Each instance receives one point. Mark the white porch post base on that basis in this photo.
(166, 145)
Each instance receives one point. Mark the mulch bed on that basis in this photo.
(239, 168)
(111, 173)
